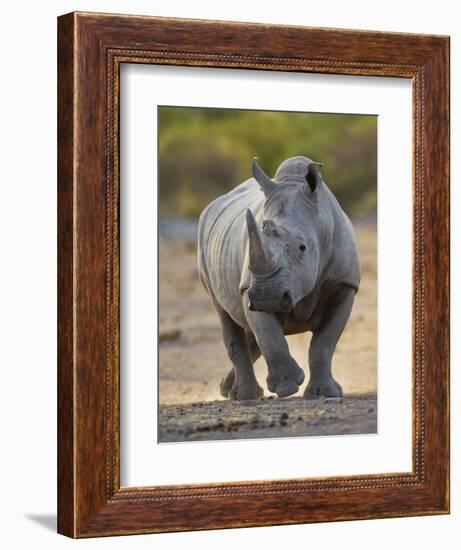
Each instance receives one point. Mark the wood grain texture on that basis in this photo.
(66, 468)
(91, 49)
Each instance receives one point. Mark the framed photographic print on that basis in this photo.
(253, 275)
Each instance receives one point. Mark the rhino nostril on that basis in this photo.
(287, 301)
(286, 297)
(251, 307)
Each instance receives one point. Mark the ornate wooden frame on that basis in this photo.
(91, 49)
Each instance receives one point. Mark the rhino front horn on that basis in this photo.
(267, 185)
(259, 259)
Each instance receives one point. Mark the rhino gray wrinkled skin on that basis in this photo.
(277, 257)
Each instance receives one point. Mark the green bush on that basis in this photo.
(204, 153)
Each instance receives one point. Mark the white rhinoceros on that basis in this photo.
(279, 257)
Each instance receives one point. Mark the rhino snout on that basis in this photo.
(259, 300)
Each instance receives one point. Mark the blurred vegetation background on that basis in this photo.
(204, 153)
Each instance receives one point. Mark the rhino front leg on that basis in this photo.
(323, 345)
(284, 374)
(240, 384)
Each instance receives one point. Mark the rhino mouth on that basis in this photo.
(260, 301)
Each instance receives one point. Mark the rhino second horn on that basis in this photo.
(259, 258)
(267, 185)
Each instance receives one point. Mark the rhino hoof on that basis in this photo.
(242, 392)
(328, 388)
(286, 381)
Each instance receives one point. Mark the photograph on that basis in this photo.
(267, 274)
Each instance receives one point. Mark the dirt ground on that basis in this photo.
(192, 362)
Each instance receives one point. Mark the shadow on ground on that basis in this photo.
(48, 521)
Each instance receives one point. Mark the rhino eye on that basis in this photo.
(302, 247)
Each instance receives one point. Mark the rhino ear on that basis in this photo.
(313, 175)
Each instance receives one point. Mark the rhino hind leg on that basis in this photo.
(240, 384)
(323, 344)
(228, 381)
